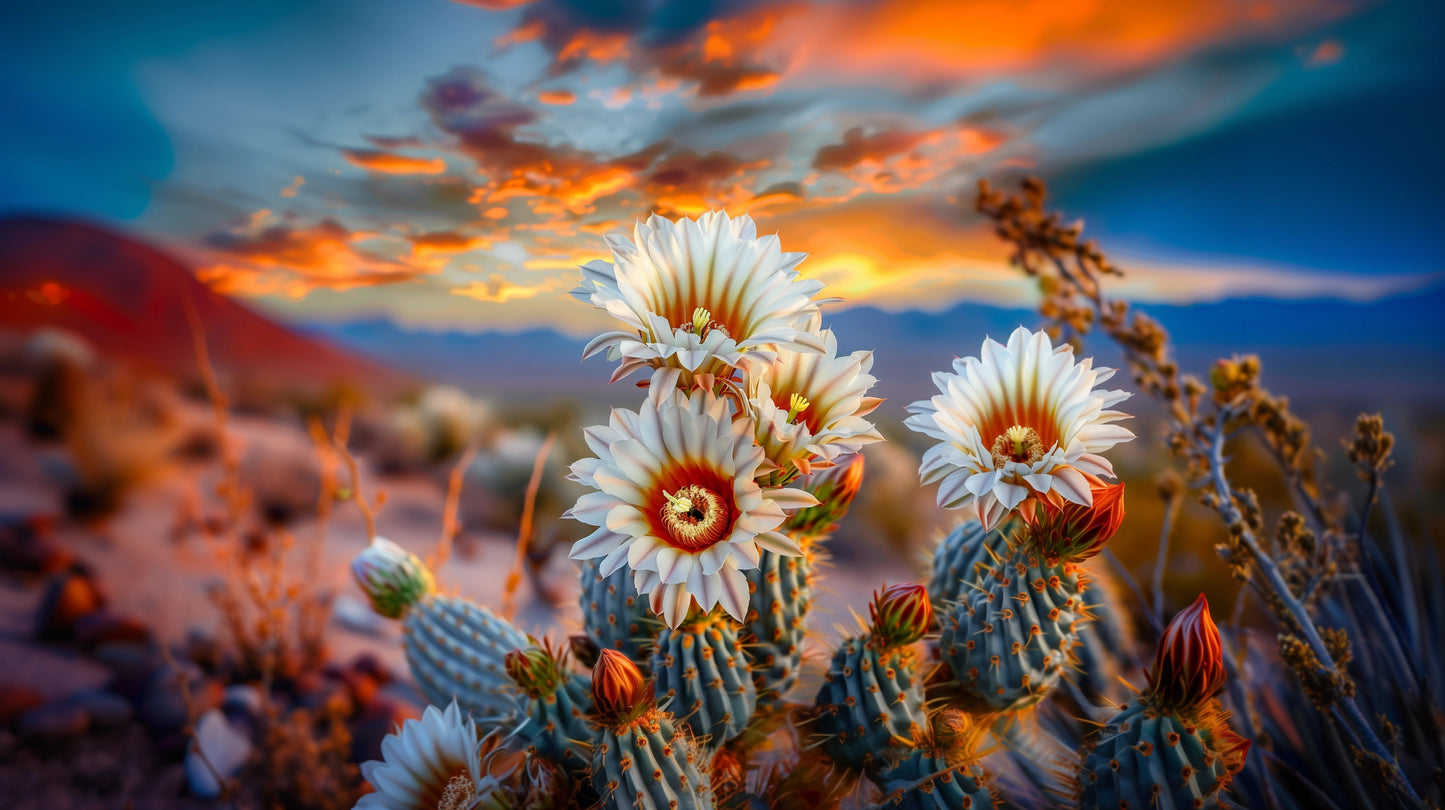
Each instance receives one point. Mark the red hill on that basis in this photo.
(129, 301)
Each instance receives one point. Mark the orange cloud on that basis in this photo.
(392, 163)
(497, 289)
(291, 261)
(557, 97)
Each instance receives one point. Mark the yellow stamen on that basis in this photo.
(700, 319)
(797, 403)
(681, 504)
(1018, 444)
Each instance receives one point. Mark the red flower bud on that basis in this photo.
(1072, 532)
(835, 488)
(902, 614)
(1189, 667)
(618, 688)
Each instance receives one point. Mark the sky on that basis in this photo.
(447, 165)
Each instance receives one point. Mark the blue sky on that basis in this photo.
(446, 164)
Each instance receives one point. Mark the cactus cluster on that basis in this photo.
(710, 506)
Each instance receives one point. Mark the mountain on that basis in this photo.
(1335, 353)
(128, 300)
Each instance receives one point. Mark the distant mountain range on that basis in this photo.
(1330, 351)
(128, 300)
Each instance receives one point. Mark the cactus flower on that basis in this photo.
(699, 296)
(835, 488)
(429, 764)
(1019, 422)
(618, 688)
(392, 577)
(536, 670)
(1073, 532)
(902, 614)
(677, 502)
(1189, 666)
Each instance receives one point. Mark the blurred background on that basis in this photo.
(369, 214)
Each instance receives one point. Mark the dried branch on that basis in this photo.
(450, 524)
(524, 532)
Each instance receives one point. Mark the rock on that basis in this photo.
(380, 719)
(242, 698)
(56, 720)
(162, 708)
(226, 750)
(68, 597)
(27, 545)
(104, 627)
(204, 649)
(16, 700)
(357, 616)
(106, 710)
(131, 665)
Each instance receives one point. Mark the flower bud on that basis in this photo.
(1073, 532)
(618, 688)
(1189, 667)
(955, 733)
(536, 671)
(392, 577)
(902, 614)
(835, 488)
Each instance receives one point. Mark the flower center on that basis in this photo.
(1019, 444)
(459, 793)
(695, 517)
(702, 323)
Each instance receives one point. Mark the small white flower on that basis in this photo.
(430, 764)
(677, 502)
(810, 407)
(702, 296)
(1018, 422)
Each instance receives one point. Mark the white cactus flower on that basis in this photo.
(810, 407)
(1019, 422)
(703, 296)
(429, 764)
(677, 502)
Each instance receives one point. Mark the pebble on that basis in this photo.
(106, 710)
(226, 749)
(68, 597)
(56, 720)
(357, 616)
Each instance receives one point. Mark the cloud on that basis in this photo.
(557, 98)
(392, 163)
(282, 259)
(497, 289)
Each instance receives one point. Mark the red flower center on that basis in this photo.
(692, 509)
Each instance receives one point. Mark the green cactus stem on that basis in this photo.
(703, 678)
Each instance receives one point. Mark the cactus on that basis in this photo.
(941, 772)
(1173, 748)
(456, 649)
(926, 781)
(1008, 641)
(614, 617)
(703, 678)
(782, 591)
(873, 695)
(1007, 644)
(558, 703)
(640, 757)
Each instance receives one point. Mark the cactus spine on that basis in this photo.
(640, 757)
(702, 677)
(962, 557)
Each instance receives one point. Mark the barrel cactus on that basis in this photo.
(454, 647)
(640, 757)
(702, 677)
(873, 694)
(1173, 747)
